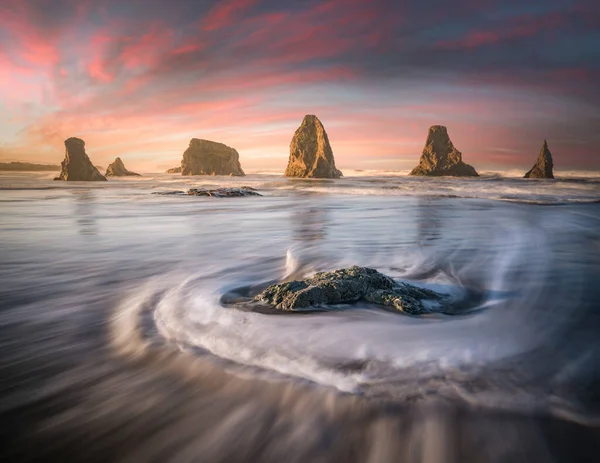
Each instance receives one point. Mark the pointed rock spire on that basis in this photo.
(77, 165)
(310, 152)
(543, 166)
(440, 157)
(117, 169)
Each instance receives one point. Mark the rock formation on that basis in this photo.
(77, 165)
(213, 193)
(440, 157)
(543, 166)
(117, 169)
(224, 192)
(205, 157)
(348, 285)
(310, 152)
(174, 170)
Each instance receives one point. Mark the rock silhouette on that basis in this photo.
(173, 170)
(117, 169)
(543, 166)
(77, 165)
(204, 157)
(440, 157)
(310, 152)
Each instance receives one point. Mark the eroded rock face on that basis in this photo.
(77, 166)
(440, 157)
(117, 169)
(224, 192)
(205, 157)
(543, 166)
(310, 152)
(174, 170)
(345, 286)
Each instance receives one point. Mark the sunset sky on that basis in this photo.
(138, 79)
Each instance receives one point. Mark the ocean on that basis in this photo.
(117, 341)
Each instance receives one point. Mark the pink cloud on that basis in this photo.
(225, 12)
(522, 27)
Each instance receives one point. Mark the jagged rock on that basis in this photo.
(543, 166)
(310, 152)
(77, 165)
(174, 170)
(205, 157)
(345, 286)
(224, 192)
(440, 157)
(117, 169)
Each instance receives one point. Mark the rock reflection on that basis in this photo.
(429, 224)
(310, 224)
(85, 203)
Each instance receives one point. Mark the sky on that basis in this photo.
(139, 78)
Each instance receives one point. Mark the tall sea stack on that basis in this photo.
(77, 166)
(117, 169)
(310, 152)
(440, 157)
(543, 166)
(205, 157)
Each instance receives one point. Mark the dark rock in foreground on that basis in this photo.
(348, 285)
(224, 192)
(77, 165)
(173, 170)
(17, 166)
(204, 157)
(310, 152)
(440, 157)
(543, 166)
(117, 169)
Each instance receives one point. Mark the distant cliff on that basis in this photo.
(27, 167)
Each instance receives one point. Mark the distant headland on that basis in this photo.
(27, 167)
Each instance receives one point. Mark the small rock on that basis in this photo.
(173, 170)
(224, 192)
(117, 169)
(346, 286)
(543, 166)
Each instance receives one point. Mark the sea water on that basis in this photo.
(116, 342)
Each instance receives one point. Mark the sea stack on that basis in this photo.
(205, 157)
(310, 152)
(77, 165)
(440, 157)
(543, 166)
(117, 169)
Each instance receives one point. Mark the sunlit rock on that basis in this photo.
(77, 165)
(543, 166)
(205, 157)
(440, 157)
(117, 169)
(310, 152)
